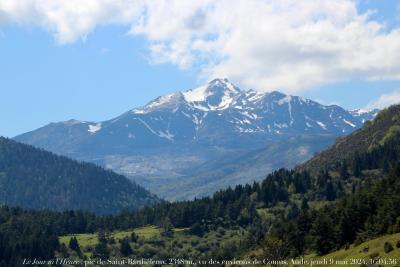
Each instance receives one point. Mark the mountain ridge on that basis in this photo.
(217, 96)
(36, 179)
(178, 132)
(374, 134)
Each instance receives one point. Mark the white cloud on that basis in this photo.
(290, 45)
(70, 20)
(385, 100)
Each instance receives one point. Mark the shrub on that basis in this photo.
(148, 251)
(203, 247)
(398, 244)
(221, 231)
(111, 241)
(101, 251)
(125, 248)
(374, 255)
(134, 237)
(387, 247)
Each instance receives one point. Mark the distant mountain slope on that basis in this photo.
(234, 169)
(33, 178)
(376, 132)
(173, 135)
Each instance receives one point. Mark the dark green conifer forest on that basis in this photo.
(36, 179)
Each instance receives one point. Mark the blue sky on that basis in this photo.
(53, 70)
(98, 79)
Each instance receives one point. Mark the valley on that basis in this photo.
(332, 212)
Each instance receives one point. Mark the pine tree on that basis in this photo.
(357, 165)
(197, 229)
(74, 245)
(304, 204)
(330, 191)
(125, 248)
(101, 236)
(343, 171)
(134, 237)
(323, 234)
(167, 229)
(275, 249)
(101, 251)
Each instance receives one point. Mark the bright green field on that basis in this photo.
(91, 239)
(151, 244)
(375, 248)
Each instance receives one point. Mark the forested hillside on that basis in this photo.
(373, 135)
(371, 212)
(36, 179)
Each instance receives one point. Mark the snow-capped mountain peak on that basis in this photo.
(219, 108)
(252, 111)
(166, 101)
(215, 95)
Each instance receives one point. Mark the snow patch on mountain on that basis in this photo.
(286, 99)
(225, 102)
(163, 134)
(138, 111)
(94, 128)
(359, 111)
(349, 123)
(196, 95)
(254, 96)
(147, 126)
(322, 125)
(166, 135)
(160, 101)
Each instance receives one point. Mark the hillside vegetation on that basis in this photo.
(36, 179)
(157, 243)
(374, 134)
(381, 250)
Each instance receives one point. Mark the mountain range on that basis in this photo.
(192, 143)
